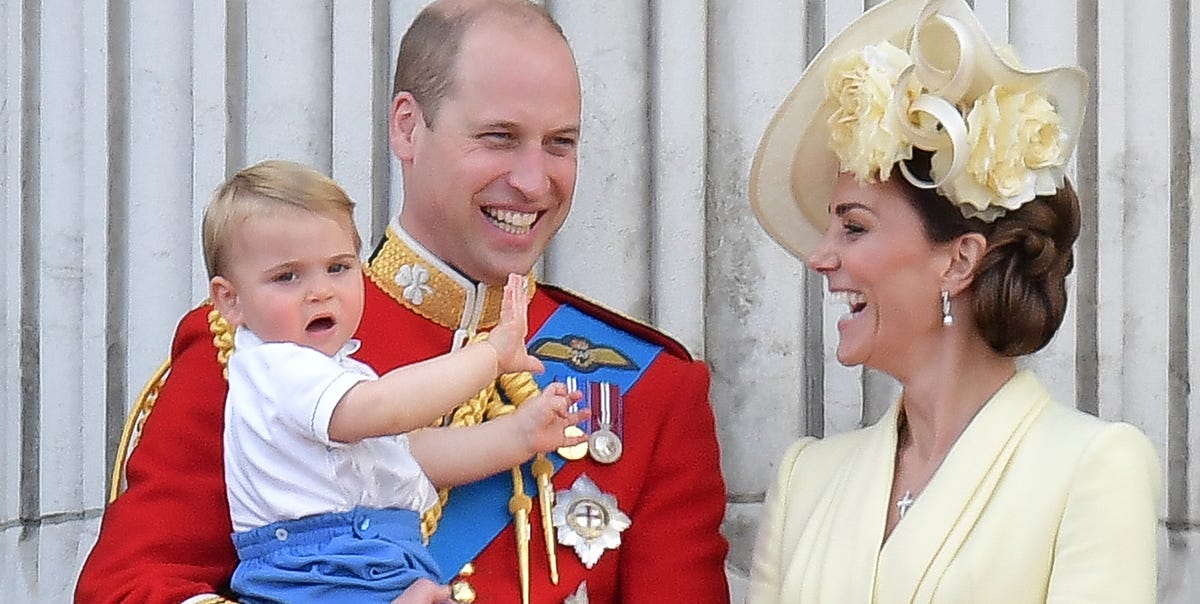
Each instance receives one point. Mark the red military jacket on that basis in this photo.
(167, 537)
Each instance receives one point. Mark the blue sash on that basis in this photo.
(477, 513)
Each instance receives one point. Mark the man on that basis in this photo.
(485, 121)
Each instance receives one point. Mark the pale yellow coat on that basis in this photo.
(1036, 502)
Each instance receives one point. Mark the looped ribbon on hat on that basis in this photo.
(946, 85)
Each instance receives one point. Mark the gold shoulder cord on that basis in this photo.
(488, 404)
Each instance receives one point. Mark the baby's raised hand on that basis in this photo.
(508, 337)
(544, 418)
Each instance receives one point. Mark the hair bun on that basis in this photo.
(1020, 287)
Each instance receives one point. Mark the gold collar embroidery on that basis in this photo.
(421, 282)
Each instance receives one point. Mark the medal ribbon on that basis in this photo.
(478, 512)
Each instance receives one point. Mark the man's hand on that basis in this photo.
(508, 337)
(424, 591)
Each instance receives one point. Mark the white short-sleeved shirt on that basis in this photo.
(279, 461)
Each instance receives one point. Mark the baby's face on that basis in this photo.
(297, 278)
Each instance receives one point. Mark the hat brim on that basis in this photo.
(794, 169)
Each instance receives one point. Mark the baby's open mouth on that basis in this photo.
(320, 324)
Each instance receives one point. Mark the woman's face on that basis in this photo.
(878, 260)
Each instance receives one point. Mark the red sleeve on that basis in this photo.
(674, 550)
(167, 537)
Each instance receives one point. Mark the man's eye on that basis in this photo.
(497, 137)
(562, 145)
(854, 229)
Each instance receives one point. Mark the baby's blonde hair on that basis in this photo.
(263, 187)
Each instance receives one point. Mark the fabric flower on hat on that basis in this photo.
(865, 131)
(995, 144)
(1015, 152)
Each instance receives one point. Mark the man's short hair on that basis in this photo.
(429, 50)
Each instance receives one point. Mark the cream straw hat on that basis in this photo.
(923, 74)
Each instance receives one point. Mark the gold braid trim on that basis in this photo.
(469, 413)
(131, 434)
(445, 299)
(222, 334)
(519, 387)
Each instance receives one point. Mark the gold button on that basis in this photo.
(462, 591)
(467, 570)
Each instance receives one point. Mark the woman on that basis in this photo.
(922, 175)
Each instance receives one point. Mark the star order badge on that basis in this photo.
(579, 597)
(588, 520)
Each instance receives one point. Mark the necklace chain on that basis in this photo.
(906, 501)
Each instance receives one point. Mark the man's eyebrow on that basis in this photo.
(500, 124)
(511, 125)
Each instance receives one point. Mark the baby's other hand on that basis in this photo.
(544, 418)
(508, 337)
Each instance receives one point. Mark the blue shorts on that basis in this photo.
(364, 555)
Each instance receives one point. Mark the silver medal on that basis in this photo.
(604, 445)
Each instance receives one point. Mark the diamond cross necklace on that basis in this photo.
(904, 503)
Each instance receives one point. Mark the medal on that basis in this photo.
(588, 520)
(604, 445)
(574, 452)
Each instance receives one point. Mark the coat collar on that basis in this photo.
(423, 283)
(925, 542)
(849, 518)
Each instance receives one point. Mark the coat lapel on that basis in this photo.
(924, 544)
(836, 559)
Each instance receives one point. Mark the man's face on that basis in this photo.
(490, 183)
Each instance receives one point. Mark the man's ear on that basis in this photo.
(403, 123)
(966, 254)
(225, 299)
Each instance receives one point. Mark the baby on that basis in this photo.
(326, 486)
